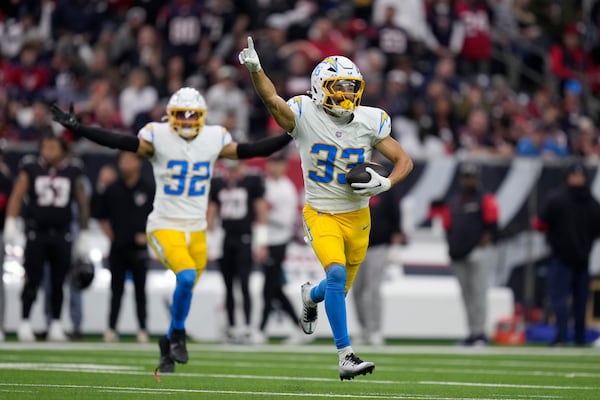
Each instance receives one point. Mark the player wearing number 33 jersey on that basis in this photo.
(183, 152)
(329, 149)
(334, 133)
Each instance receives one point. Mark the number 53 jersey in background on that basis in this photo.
(328, 149)
(51, 193)
(182, 171)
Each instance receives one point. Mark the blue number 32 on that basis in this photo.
(179, 169)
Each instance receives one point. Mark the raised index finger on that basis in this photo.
(250, 43)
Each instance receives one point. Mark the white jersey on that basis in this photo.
(329, 149)
(282, 196)
(182, 173)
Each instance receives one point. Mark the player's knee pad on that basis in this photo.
(186, 279)
(336, 276)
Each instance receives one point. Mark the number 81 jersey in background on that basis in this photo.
(329, 148)
(182, 172)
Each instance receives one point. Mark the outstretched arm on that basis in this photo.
(101, 136)
(261, 148)
(265, 88)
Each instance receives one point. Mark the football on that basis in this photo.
(359, 173)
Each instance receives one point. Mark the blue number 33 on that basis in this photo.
(179, 170)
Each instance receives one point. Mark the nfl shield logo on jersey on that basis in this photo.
(339, 133)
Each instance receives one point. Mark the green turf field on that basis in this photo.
(94, 370)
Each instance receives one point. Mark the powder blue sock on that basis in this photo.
(335, 305)
(182, 299)
(317, 293)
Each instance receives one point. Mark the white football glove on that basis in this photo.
(378, 184)
(249, 57)
(11, 231)
(83, 245)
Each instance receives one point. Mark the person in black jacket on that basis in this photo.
(385, 232)
(570, 216)
(238, 198)
(124, 208)
(5, 188)
(48, 187)
(470, 219)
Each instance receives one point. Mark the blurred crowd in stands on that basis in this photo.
(493, 77)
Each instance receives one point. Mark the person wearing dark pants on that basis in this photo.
(122, 262)
(5, 189)
(51, 184)
(123, 210)
(237, 198)
(470, 219)
(570, 218)
(273, 286)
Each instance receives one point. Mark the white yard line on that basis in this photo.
(316, 349)
(509, 385)
(162, 392)
(120, 370)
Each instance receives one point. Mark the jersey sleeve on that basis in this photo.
(147, 133)
(296, 105)
(227, 138)
(383, 127)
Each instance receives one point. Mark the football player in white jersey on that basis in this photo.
(333, 133)
(183, 152)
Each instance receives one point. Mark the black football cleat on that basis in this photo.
(178, 351)
(166, 364)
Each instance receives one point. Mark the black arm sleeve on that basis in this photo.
(109, 138)
(263, 147)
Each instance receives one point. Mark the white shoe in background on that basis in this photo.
(142, 336)
(297, 338)
(250, 336)
(56, 332)
(260, 338)
(110, 336)
(376, 339)
(25, 333)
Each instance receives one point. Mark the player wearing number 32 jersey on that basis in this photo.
(334, 133)
(182, 172)
(183, 152)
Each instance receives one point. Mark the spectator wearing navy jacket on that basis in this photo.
(570, 218)
(470, 219)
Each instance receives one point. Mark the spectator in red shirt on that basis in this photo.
(567, 59)
(476, 50)
(29, 77)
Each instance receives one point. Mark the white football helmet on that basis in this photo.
(186, 111)
(337, 85)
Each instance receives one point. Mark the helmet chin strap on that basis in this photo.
(344, 119)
